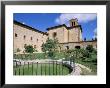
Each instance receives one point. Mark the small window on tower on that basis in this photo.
(16, 35)
(74, 23)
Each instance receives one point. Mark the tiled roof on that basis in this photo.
(31, 28)
(63, 25)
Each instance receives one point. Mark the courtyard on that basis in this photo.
(67, 62)
(56, 49)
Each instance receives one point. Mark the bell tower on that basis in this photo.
(75, 33)
(73, 22)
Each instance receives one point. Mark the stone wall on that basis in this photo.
(82, 44)
(61, 34)
(74, 35)
(26, 36)
(65, 35)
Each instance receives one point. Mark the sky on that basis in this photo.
(42, 21)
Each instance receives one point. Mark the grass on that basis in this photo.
(37, 56)
(41, 69)
(60, 55)
(90, 65)
(30, 56)
(86, 72)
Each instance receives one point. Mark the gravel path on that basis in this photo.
(78, 69)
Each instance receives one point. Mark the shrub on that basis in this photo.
(93, 57)
(29, 49)
(95, 51)
(90, 48)
(85, 53)
(18, 50)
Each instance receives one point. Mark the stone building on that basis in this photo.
(26, 35)
(68, 37)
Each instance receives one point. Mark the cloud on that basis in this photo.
(86, 17)
(95, 33)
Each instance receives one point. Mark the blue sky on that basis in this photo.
(42, 21)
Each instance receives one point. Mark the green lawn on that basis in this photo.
(42, 69)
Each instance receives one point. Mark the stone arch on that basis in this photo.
(67, 47)
(77, 47)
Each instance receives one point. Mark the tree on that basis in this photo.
(29, 49)
(90, 48)
(50, 47)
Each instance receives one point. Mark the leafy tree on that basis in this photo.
(67, 53)
(29, 49)
(50, 47)
(89, 54)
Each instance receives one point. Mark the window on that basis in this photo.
(73, 23)
(24, 36)
(37, 40)
(16, 35)
(31, 38)
(54, 34)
